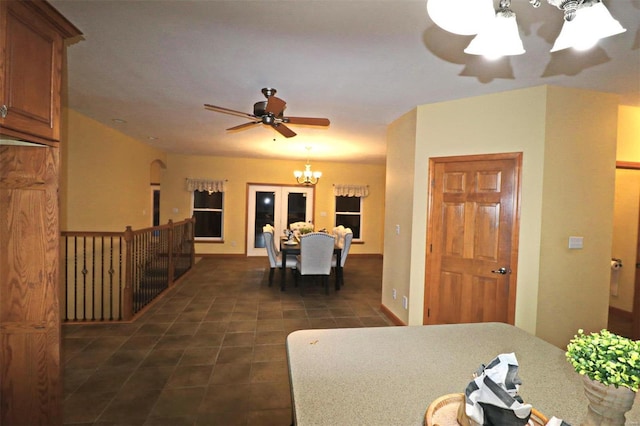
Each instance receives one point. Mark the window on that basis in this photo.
(349, 214)
(208, 212)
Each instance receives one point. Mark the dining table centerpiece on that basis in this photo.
(610, 366)
(301, 228)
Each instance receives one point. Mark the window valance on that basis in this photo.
(342, 190)
(208, 185)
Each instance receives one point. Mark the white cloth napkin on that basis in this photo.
(496, 384)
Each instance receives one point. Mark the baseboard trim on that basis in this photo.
(244, 255)
(394, 319)
(620, 313)
(222, 255)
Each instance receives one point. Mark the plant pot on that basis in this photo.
(607, 404)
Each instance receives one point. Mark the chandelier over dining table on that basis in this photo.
(497, 34)
(307, 177)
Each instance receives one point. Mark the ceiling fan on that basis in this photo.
(270, 112)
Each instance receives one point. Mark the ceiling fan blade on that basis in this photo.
(245, 125)
(275, 106)
(228, 111)
(306, 120)
(284, 130)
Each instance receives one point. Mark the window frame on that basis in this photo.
(360, 214)
(200, 209)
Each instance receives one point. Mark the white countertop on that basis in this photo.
(389, 375)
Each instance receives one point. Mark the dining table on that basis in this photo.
(292, 247)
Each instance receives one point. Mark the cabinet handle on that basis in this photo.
(3, 111)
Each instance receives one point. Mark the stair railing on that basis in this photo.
(113, 276)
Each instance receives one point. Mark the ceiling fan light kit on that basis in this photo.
(270, 113)
(585, 22)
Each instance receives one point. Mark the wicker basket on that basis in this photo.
(448, 410)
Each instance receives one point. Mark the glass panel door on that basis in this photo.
(278, 206)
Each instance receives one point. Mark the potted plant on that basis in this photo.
(610, 365)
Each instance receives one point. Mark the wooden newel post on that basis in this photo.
(127, 294)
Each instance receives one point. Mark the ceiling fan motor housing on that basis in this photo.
(259, 108)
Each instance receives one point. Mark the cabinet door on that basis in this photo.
(31, 73)
(30, 369)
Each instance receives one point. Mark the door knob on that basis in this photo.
(501, 271)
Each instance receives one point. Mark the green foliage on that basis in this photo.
(606, 358)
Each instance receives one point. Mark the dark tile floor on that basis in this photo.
(212, 351)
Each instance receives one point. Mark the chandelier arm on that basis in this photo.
(569, 7)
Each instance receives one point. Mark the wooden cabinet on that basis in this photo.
(30, 369)
(32, 35)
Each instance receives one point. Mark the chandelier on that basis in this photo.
(307, 177)
(497, 35)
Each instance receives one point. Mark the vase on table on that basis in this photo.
(607, 404)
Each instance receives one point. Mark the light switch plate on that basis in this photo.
(575, 242)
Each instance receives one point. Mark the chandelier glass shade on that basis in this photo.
(464, 17)
(307, 177)
(591, 23)
(500, 37)
(585, 22)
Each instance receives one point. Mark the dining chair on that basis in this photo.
(345, 244)
(338, 233)
(275, 257)
(316, 251)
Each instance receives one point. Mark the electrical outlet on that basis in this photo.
(394, 293)
(405, 302)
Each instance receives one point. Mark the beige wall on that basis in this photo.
(400, 197)
(105, 177)
(240, 171)
(628, 134)
(529, 121)
(578, 189)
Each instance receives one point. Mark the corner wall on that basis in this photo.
(400, 170)
(578, 197)
(517, 121)
(105, 177)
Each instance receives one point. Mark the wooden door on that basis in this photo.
(472, 239)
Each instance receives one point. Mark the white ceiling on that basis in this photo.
(360, 63)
